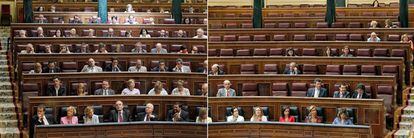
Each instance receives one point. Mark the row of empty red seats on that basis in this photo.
(269, 24)
(304, 37)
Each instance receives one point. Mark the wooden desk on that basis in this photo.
(122, 130)
(139, 16)
(116, 80)
(291, 130)
(189, 29)
(310, 32)
(368, 111)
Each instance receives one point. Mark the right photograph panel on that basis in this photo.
(310, 68)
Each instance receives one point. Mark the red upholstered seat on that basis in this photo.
(284, 25)
(214, 38)
(309, 52)
(368, 70)
(394, 37)
(260, 52)
(341, 37)
(270, 69)
(338, 25)
(333, 70)
(320, 37)
(243, 52)
(244, 38)
(249, 89)
(231, 25)
(247, 25)
(321, 25)
(169, 21)
(276, 52)
(212, 52)
(354, 25)
(229, 38)
(310, 69)
(364, 52)
(281, 37)
(226, 52)
(69, 67)
(301, 25)
(269, 25)
(259, 38)
(280, 89)
(248, 69)
(355, 37)
(397, 53)
(381, 52)
(389, 70)
(299, 89)
(299, 37)
(350, 70)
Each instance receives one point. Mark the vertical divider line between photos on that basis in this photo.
(208, 63)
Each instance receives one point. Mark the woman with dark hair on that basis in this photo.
(342, 118)
(286, 117)
(187, 20)
(58, 33)
(290, 52)
(375, 3)
(235, 116)
(144, 33)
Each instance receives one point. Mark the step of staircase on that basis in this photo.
(407, 118)
(402, 134)
(9, 133)
(5, 100)
(405, 125)
(6, 92)
(8, 123)
(8, 116)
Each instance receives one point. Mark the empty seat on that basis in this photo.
(354, 25)
(269, 25)
(229, 15)
(270, 69)
(243, 52)
(280, 89)
(260, 52)
(367, 14)
(279, 37)
(393, 38)
(364, 52)
(212, 52)
(249, 89)
(380, 14)
(169, 21)
(299, 89)
(398, 53)
(214, 38)
(69, 67)
(216, 26)
(276, 52)
(386, 92)
(283, 25)
(226, 52)
(273, 15)
(247, 25)
(350, 70)
(246, 15)
(338, 25)
(381, 52)
(368, 70)
(310, 69)
(231, 25)
(389, 70)
(300, 25)
(244, 38)
(259, 38)
(320, 37)
(26, 67)
(30, 87)
(355, 37)
(229, 38)
(247, 69)
(333, 70)
(309, 52)
(341, 37)
(299, 37)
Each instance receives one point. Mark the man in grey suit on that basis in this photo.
(105, 90)
(226, 91)
(158, 49)
(317, 91)
(342, 93)
(179, 67)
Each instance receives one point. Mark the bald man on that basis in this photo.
(148, 115)
(119, 114)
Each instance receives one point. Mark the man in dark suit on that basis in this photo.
(203, 69)
(292, 70)
(51, 68)
(105, 90)
(40, 119)
(114, 66)
(177, 114)
(56, 89)
(161, 67)
(119, 114)
(360, 92)
(215, 70)
(317, 91)
(342, 93)
(148, 115)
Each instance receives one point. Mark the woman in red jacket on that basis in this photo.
(286, 117)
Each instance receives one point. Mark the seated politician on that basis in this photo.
(119, 114)
(148, 115)
(226, 91)
(57, 89)
(91, 67)
(131, 90)
(161, 67)
(40, 119)
(90, 117)
(235, 116)
(343, 92)
(360, 92)
(70, 118)
(292, 69)
(114, 66)
(158, 89)
(317, 91)
(180, 90)
(203, 116)
(177, 114)
(342, 118)
(286, 117)
(105, 90)
(258, 115)
(138, 67)
(313, 115)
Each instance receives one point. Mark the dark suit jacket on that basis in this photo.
(113, 116)
(184, 116)
(52, 92)
(35, 122)
(220, 72)
(48, 70)
(141, 116)
(322, 93)
(287, 71)
(158, 69)
(109, 68)
(346, 94)
(100, 92)
(201, 70)
(364, 95)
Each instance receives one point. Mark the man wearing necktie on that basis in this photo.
(179, 67)
(177, 114)
(148, 115)
(56, 89)
(114, 66)
(342, 93)
(105, 90)
(227, 91)
(360, 92)
(317, 91)
(40, 119)
(119, 114)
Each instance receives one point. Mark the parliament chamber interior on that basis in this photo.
(206, 68)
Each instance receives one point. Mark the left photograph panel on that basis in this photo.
(103, 68)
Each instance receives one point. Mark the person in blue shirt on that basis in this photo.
(342, 119)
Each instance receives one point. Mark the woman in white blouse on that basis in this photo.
(180, 90)
(235, 117)
(258, 115)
